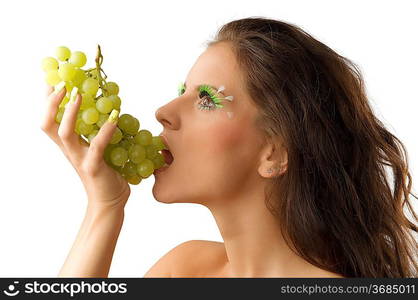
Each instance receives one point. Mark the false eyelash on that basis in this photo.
(204, 88)
(181, 89)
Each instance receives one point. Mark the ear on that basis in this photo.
(273, 160)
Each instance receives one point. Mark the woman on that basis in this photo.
(283, 149)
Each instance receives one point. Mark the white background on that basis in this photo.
(148, 48)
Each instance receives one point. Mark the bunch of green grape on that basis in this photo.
(134, 153)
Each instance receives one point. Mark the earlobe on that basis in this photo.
(273, 161)
(273, 172)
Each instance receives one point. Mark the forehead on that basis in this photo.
(216, 66)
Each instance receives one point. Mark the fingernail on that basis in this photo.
(58, 88)
(114, 116)
(73, 95)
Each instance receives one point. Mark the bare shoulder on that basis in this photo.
(195, 258)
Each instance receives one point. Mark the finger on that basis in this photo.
(101, 140)
(66, 131)
(49, 89)
(49, 125)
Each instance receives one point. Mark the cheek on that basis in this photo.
(228, 145)
(225, 138)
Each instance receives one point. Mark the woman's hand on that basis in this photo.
(105, 187)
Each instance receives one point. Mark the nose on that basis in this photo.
(168, 115)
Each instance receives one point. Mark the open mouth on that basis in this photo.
(168, 157)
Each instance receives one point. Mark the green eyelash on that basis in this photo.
(181, 89)
(204, 88)
(212, 94)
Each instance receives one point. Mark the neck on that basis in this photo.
(253, 242)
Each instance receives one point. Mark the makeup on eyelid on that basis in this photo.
(210, 98)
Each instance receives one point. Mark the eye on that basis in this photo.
(206, 101)
(208, 98)
(181, 88)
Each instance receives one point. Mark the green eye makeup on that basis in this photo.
(181, 89)
(208, 98)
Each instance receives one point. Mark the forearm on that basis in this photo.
(92, 251)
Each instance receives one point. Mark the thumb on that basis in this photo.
(102, 139)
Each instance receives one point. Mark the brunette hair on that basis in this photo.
(334, 202)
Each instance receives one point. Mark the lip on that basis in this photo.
(165, 141)
(164, 151)
(162, 169)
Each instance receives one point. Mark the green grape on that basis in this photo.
(104, 105)
(151, 151)
(92, 135)
(125, 143)
(82, 128)
(134, 179)
(107, 151)
(158, 161)
(102, 119)
(137, 153)
(129, 169)
(115, 101)
(66, 71)
(158, 142)
(87, 101)
(52, 77)
(143, 137)
(90, 115)
(129, 138)
(128, 124)
(63, 103)
(90, 86)
(79, 77)
(132, 153)
(134, 127)
(49, 64)
(58, 117)
(94, 74)
(63, 53)
(145, 168)
(112, 88)
(116, 168)
(118, 156)
(78, 59)
(116, 137)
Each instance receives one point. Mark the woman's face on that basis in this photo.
(215, 151)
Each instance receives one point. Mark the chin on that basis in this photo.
(159, 195)
(164, 195)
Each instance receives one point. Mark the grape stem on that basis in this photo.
(101, 79)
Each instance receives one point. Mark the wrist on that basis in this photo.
(95, 208)
(97, 202)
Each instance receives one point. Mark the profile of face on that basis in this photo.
(216, 151)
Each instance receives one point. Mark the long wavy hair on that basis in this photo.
(335, 204)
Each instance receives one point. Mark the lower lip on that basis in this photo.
(160, 170)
